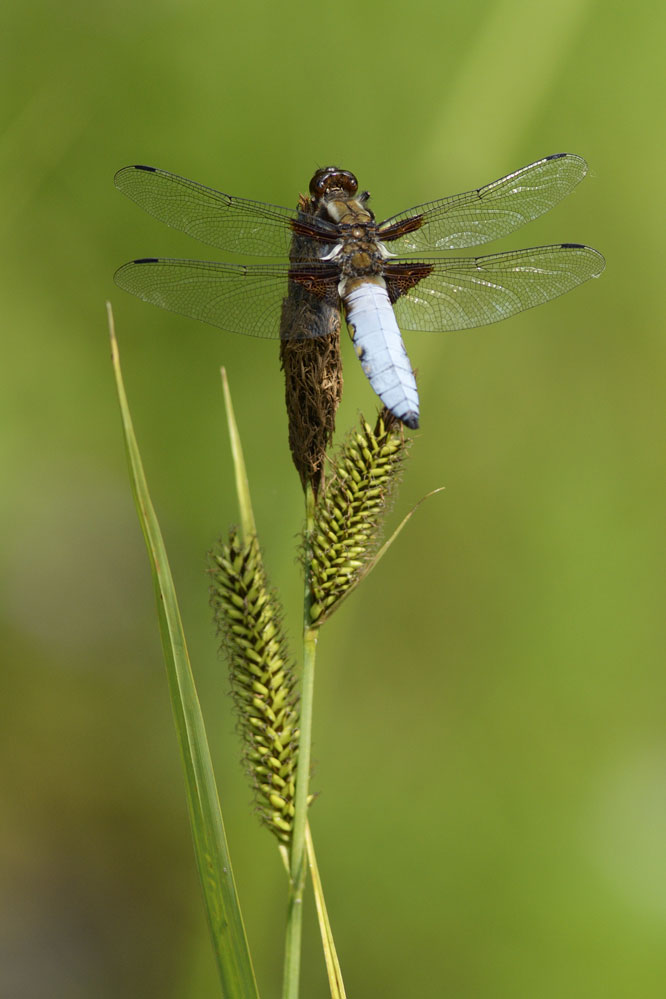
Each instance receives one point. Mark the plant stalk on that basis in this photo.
(297, 857)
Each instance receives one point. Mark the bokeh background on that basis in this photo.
(490, 738)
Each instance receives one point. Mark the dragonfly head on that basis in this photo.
(332, 180)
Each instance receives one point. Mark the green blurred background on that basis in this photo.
(489, 727)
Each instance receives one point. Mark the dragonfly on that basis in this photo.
(340, 259)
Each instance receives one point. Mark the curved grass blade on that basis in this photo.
(389, 541)
(210, 846)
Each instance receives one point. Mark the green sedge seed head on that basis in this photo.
(263, 680)
(350, 510)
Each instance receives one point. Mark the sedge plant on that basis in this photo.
(347, 492)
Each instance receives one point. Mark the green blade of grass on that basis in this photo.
(333, 969)
(242, 484)
(210, 845)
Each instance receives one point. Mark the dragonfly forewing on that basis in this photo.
(486, 213)
(219, 219)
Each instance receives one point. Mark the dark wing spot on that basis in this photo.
(556, 156)
(322, 282)
(401, 277)
(317, 229)
(401, 228)
(147, 260)
(572, 246)
(139, 166)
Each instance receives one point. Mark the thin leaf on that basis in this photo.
(242, 484)
(333, 969)
(408, 516)
(210, 846)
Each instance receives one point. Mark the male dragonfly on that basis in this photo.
(342, 259)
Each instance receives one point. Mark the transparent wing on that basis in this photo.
(488, 212)
(236, 298)
(462, 293)
(219, 219)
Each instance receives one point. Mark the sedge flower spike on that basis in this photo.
(350, 510)
(249, 622)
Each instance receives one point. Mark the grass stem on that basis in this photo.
(297, 857)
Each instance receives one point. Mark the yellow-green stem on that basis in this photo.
(297, 857)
